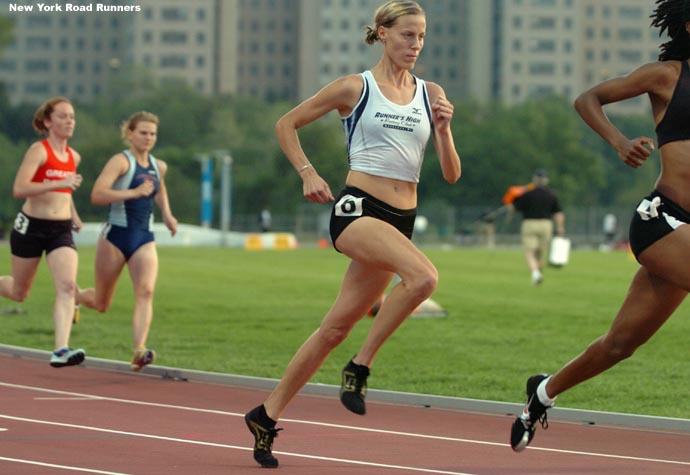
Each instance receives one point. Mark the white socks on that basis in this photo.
(536, 277)
(543, 397)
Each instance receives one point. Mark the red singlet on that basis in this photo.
(54, 169)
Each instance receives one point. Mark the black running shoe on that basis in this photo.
(353, 389)
(263, 439)
(67, 357)
(524, 426)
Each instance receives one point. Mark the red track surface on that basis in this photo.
(85, 420)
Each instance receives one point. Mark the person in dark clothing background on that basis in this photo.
(539, 208)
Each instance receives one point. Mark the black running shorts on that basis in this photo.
(353, 203)
(31, 236)
(655, 217)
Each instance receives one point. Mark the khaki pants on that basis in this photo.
(536, 236)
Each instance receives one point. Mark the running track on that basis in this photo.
(101, 419)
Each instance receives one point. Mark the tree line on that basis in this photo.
(499, 147)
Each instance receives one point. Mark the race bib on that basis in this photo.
(348, 206)
(21, 223)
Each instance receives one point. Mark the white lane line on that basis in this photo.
(353, 428)
(226, 446)
(65, 467)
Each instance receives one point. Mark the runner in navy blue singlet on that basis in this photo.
(130, 183)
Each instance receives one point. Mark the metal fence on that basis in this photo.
(466, 225)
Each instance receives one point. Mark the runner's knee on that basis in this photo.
(619, 347)
(332, 336)
(422, 285)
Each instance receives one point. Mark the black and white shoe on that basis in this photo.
(524, 426)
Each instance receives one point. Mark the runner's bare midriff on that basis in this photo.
(396, 193)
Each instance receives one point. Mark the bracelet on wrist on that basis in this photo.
(308, 165)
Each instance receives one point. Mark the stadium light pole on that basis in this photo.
(225, 193)
(206, 190)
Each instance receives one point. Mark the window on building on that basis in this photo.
(39, 21)
(38, 42)
(631, 13)
(630, 55)
(175, 14)
(32, 87)
(541, 69)
(8, 65)
(174, 37)
(173, 61)
(542, 46)
(630, 34)
(540, 90)
(543, 3)
(543, 23)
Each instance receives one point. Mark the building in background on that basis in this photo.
(562, 47)
(482, 50)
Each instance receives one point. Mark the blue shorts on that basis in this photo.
(353, 203)
(127, 240)
(655, 217)
(31, 236)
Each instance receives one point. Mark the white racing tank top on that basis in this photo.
(388, 139)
